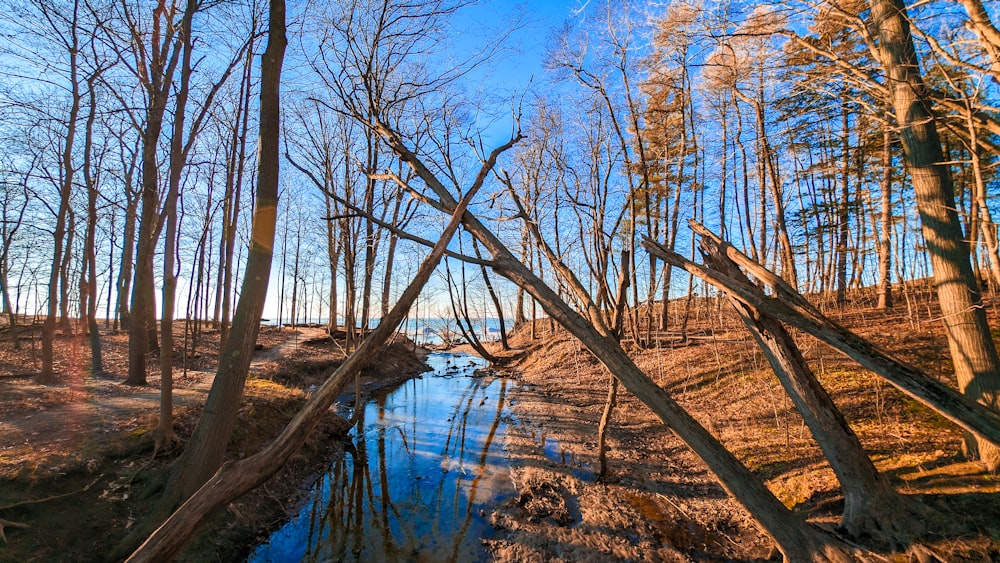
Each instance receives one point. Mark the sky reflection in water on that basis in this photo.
(413, 489)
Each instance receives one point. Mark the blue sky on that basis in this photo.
(525, 48)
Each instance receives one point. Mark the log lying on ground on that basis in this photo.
(790, 307)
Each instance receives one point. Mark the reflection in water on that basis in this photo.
(415, 485)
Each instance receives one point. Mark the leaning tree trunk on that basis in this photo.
(204, 452)
(795, 538)
(233, 480)
(973, 352)
(871, 506)
(790, 307)
(206, 448)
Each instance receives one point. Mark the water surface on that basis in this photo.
(417, 482)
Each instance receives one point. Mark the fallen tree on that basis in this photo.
(788, 306)
(236, 478)
(797, 540)
(872, 507)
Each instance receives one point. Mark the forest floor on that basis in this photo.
(88, 439)
(660, 503)
(75, 457)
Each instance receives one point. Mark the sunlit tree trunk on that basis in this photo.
(48, 375)
(973, 353)
(885, 225)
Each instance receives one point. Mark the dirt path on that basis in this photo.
(38, 435)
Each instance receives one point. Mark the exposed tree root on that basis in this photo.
(165, 439)
(893, 525)
(6, 523)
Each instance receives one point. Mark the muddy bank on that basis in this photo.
(658, 504)
(104, 465)
(424, 469)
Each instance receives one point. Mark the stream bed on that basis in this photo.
(417, 483)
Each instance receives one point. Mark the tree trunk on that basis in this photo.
(164, 432)
(90, 247)
(234, 479)
(123, 284)
(47, 375)
(871, 506)
(158, 83)
(612, 398)
(885, 225)
(797, 540)
(494, 298)
(977, 366)
(843, 207)
(791, 308)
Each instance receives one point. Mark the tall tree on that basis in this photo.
(154, 66)
(977, 365)
(204, 452)
(69, 39)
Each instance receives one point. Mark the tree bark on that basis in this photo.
(977, 365)
(203, 455)
(790, 307)
(871, 506)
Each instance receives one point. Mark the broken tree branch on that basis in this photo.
(790, 307)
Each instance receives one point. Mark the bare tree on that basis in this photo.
(69, 39)
(977, 365)
(203, 454)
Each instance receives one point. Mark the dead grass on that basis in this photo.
(86, 430)
(724, 381)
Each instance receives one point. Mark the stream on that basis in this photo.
(417, 483)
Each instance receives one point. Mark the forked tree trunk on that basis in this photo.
(158, 84)
(612, 399)
(791, 308)
(47, 375)
(872, 507)
(164, 431)
(973, 353)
